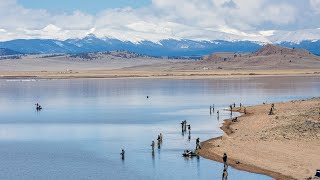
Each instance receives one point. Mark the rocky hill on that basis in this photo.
(269, 49)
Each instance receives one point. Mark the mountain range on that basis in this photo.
(166, 47)
(8, 52)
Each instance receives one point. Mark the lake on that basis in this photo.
(85, 123)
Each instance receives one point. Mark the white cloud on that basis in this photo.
(315, 4)
(179, 19)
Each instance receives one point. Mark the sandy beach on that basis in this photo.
(285, 145)
(73, 74)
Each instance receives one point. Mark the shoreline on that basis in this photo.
(232, 162)
(213, 148)
(115, 74)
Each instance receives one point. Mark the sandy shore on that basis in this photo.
(187, 74)
(285, 145)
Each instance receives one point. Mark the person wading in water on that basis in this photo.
(198, 144)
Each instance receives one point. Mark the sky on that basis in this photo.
(87, 6)
(137, 20)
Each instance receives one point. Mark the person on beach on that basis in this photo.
(198, 144)
(122, 154)
(152, 146)
(225, 174)
(234, 104)
(271, 112)
(225, 159)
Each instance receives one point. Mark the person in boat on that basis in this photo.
(225, 159)
(122, 153)
(198, 144)
(152, 146)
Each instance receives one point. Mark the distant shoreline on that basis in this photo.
(124, 74)
(271, 145)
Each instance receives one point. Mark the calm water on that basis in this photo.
(85, 124)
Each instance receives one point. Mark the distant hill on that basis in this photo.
(7, 52)
(277, 50)
(267, 57)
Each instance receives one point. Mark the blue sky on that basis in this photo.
(92, 6)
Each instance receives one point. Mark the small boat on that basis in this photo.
(188, 153)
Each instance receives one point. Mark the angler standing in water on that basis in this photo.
(185, 125)
(182, 126)
(159, 141)
(161, 137)
(122, 154)
(198, 144)
(189, 128)
(210, 110)
(152, 146)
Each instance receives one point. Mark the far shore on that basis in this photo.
(284, 145)
(95, 74)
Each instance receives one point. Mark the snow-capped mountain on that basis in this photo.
(166, 47)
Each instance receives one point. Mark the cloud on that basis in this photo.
(315, 4)
(179, 19)
(230, 4)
